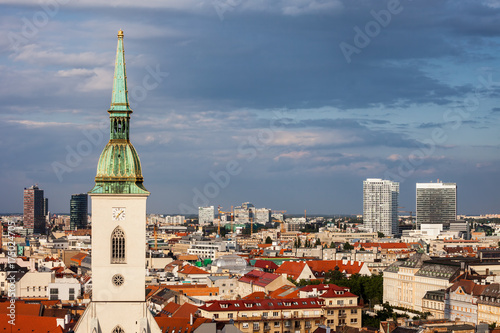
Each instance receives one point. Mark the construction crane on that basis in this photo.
(219, 209)
(282, 223)
(407, 211)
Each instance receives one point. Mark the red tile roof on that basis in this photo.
(187, 257)
(258, 278)
(78, 258)
(285, 292)
(265, 264)
(264, 304)
(190, 269)
(468, 286)
(331, 293)
(323, 287)
(28, 324)
(167, 324)
(169, 309)
(256, 295)
(185, 311)
(22, 308)
(321, 267)
(291, 268)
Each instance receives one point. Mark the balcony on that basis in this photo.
(267, 328)
(342, 315)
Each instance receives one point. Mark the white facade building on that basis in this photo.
(205, 215)
(436, 203)
(64, 289)
(380, 205)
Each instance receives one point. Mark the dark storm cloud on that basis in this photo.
(227, 76)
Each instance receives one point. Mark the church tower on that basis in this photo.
(118, 226)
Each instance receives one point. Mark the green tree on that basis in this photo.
(348, 246)
(380, 234)
(332, 245)
(318, 242)
(269, 240)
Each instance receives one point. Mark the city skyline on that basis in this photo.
(288, 105)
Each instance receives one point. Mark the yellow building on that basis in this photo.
(488, 304)
(304, 315)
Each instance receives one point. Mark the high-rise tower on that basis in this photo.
(33, 215)
(436, 203)
(78, 215)
(380, 205)
(118, 226)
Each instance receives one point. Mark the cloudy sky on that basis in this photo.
(289, 104)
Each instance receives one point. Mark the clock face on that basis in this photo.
(118, 213)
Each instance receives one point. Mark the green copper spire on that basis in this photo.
(119, 99)
(119, 167)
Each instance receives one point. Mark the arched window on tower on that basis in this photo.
(118, 329)
(118, 246)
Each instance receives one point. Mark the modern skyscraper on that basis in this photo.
(206, 215)
(78, 211)
(34, 218)
(118, 227)
(380, 205)
(436, 203)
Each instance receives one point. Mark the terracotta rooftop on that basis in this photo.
(26, 324)
(285, 292)
(321, 267)
(190, 269)
(187, 257)
(291, 268)
(265, 264)
(256, 295)
(265, 304)
(22, 308)
(258, 278)
(185, 311)
(167, 324)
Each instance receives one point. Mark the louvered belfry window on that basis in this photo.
(118, 246)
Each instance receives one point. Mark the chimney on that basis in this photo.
(191, 319)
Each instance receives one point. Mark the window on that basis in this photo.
(340, 302)
(54, 294)
(118, 329)
(275, 314)
(118, 247)
(216, 315)
(354, 320)
(276, 324)
(230, 315)
(27, 288)
(255, 326)
(39, 288)
(245, 325)
(354, 311)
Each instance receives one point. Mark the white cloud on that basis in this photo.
(78, 72)
(34, 54)
(38, 124)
